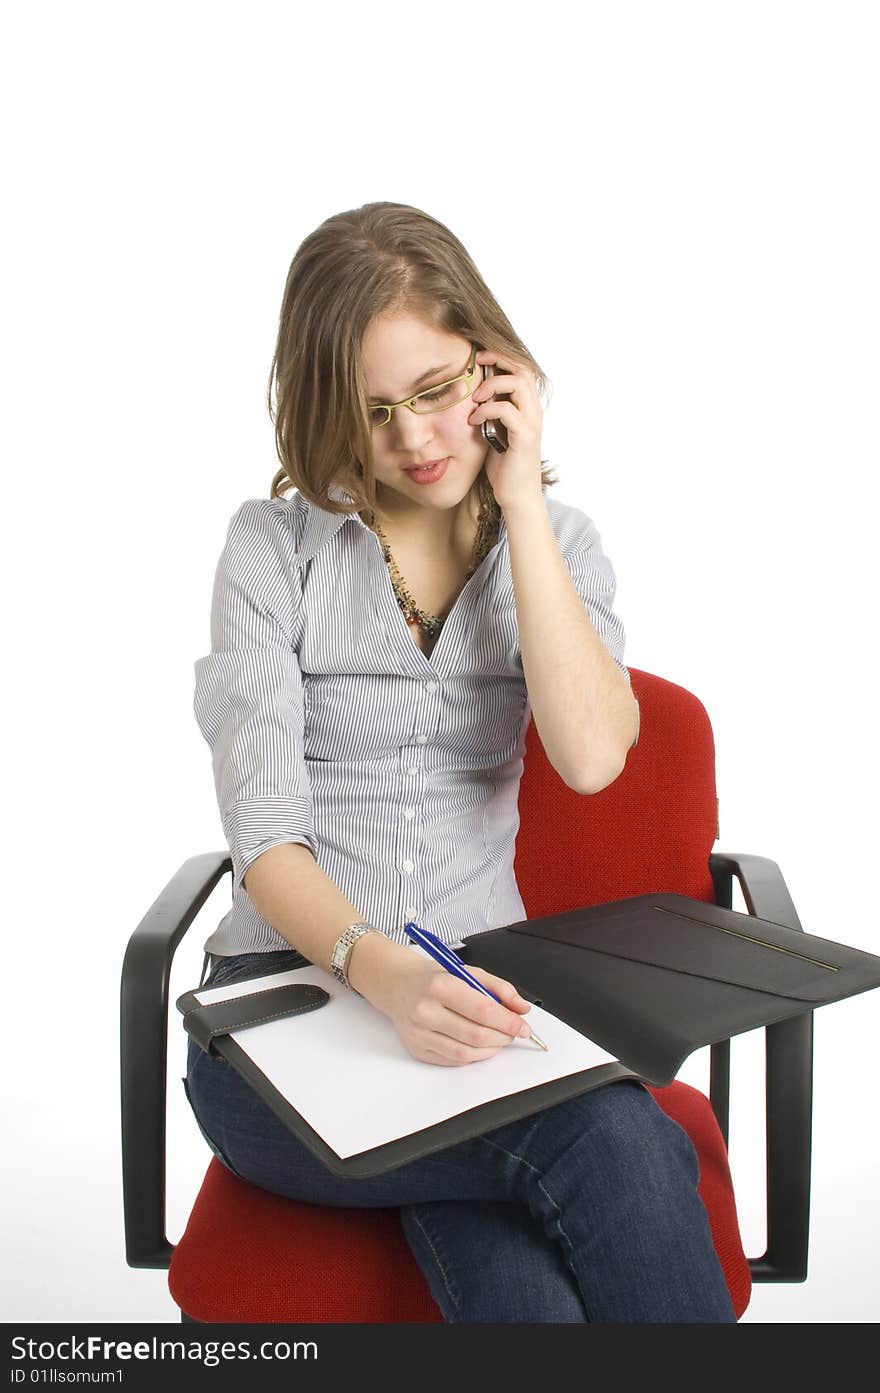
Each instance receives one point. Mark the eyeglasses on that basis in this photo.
(438, 398)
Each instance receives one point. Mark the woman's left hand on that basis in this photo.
(514, 475)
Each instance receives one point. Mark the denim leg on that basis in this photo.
(491, 1262)
(613, 1179)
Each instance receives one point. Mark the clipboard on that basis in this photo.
(213, 1025)
(647, 979)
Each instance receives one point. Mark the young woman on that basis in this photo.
(379, 643)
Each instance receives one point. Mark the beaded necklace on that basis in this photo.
(487, 535)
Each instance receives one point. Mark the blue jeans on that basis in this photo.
(587, 1211)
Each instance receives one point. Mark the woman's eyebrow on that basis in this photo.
(431, 372)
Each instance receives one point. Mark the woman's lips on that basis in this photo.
(430, 474)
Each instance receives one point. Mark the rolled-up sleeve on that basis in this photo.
(248, 690)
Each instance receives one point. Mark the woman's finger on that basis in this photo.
(454, 1026)
(503, 989)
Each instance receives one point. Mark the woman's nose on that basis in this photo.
(410, 430)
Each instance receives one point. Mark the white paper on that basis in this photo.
(346, 1071)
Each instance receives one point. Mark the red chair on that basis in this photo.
(250, 1256)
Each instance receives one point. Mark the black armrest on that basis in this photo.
(789, 1100)
(146, 971)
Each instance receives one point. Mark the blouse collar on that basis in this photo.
(321, 526)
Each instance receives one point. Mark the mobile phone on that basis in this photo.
(495, 431)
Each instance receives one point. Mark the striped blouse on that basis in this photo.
(329, 726)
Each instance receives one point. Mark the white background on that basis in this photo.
(676, 204)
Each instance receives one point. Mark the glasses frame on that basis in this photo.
(391, 407)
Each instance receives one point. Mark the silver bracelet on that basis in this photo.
(339, 958)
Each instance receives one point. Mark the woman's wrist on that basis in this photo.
(372, 965)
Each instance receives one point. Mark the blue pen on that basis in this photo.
(444, 955)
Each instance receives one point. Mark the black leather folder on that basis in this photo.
(655, 977)
(649, 979)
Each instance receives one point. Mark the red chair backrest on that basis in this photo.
(651, 830)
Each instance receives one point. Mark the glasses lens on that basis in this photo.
(441, 397)
(437, 399)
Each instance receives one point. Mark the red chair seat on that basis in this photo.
(250, 1256)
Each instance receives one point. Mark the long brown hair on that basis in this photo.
(380, 258)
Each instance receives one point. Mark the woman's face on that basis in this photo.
(397, 351)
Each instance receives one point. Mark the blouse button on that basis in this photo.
(409, 812)
(407, 866)
(421, 739)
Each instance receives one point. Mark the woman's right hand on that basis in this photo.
(439, 1018)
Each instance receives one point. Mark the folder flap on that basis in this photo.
(204, 1022)
(708, 941)
(651, 1018)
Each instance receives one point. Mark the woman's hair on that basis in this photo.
(381, 258)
